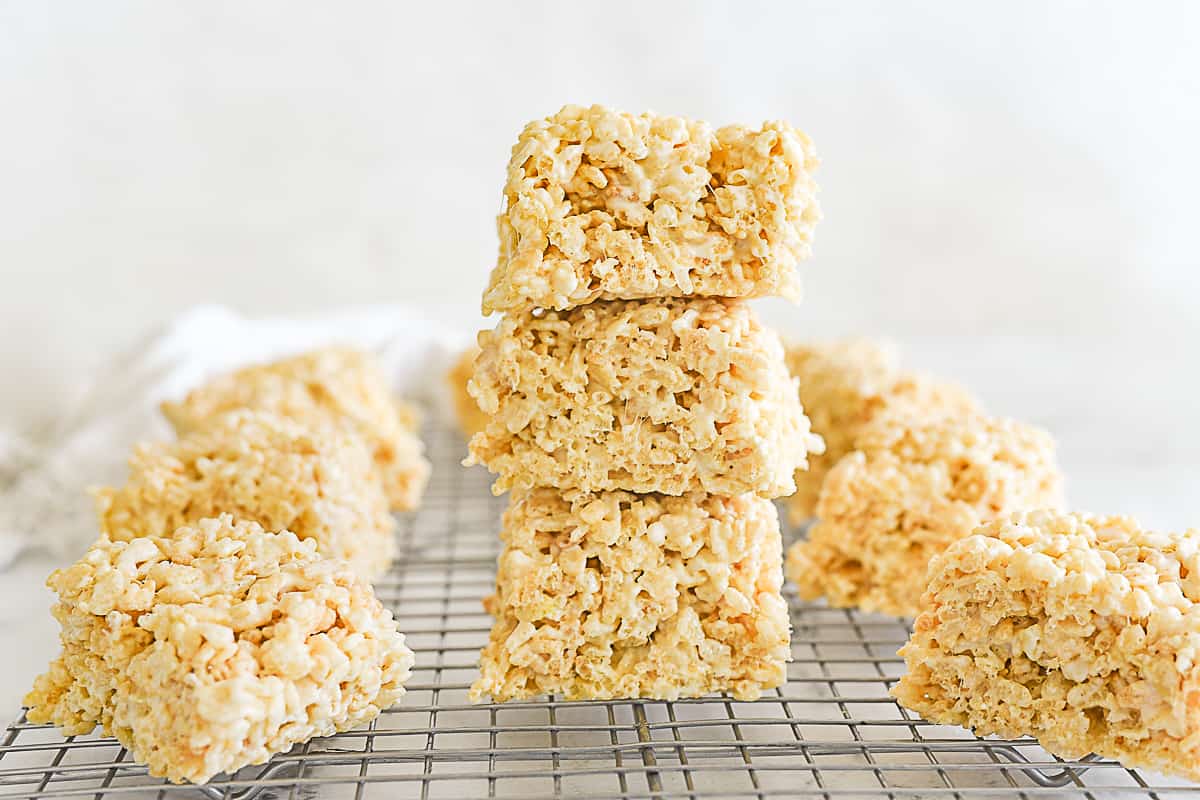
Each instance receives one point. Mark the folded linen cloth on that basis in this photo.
(45, 473)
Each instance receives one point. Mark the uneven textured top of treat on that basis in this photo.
(275, 459)
(333, 381)
(851, 379)
(991, 463)
(864, 367)
(218, 562)
(336, 384)
(316, 480)
(601, 204)
(957, 441)
(1110, 564)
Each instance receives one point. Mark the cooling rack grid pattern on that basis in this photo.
(831, 732)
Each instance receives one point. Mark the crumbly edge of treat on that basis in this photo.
(665, 395)
(1082, 631)
(341, 385)
(181, 647)
(615, 594)
(912, 488)
(405, 470)
(317, 481)
(471, 419)
(604, 205)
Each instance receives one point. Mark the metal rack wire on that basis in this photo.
(832, 731)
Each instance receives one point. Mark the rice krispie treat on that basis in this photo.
(664, 395)
(843, 385)
(912, 487)
(317, 481)
(615, 595)
(471, 419)
(335, 383)
(1081, 631)
(215, 647)
(603, 205)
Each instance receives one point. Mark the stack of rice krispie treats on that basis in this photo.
(225, 612)
(637, 410)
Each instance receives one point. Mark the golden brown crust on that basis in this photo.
(604, 205)
(1079, 630)
(622, 595)
(663, 395)
(338, 384)
(910, 488)
(317, 481)
(215, 647)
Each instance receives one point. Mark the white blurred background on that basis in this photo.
(1008, 190)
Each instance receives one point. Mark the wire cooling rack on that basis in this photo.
(832, 731)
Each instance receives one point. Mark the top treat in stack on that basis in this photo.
(603, 205)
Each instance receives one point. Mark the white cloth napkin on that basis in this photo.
(44, 476)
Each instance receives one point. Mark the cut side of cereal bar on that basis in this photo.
(664, 395)
(318, 481)
(844, 384)
(621, 595)
(913, 486)
(338, 384)
(1081, 631)
(604, 205)
(215, 647)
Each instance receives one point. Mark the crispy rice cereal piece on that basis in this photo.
(843, 385)
(471, 419)
(213, 648)
(663, 395)
(616, 595)
(912, 486)
(338, 383)
(1081, 631)
(317, 481)
(602, 205)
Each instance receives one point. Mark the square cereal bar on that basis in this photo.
(665, 395)
(912, 486)
(603, 205)
(215, 647)
(615, 595)
(338, 384)
(1081, 631)
(843, 385)
(318, 481)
